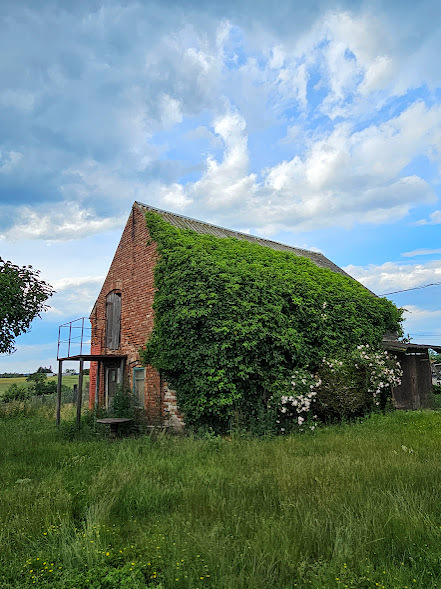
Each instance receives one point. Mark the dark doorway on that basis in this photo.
(111, 385)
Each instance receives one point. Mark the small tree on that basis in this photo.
(22, 298)
(40, 385)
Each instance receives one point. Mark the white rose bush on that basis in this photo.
(357, 384)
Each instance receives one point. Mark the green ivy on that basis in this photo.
(234, 319)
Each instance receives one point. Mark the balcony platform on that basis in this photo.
(94, 357)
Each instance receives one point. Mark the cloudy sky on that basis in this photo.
(317, 124)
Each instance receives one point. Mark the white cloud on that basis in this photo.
(435, 219)
(9, 161)
(344, 176)
(74, 296)
(414, 313)
(170, 109)
(104, 152)
(62, 222)
(423, 324)
(173, 196)
(377, 75)
(68, 283)
(421, 252)
(17, 99)
(392, 276)
(225, 185)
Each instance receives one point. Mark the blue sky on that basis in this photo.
(316, 124)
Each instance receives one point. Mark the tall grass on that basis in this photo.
(350, 506)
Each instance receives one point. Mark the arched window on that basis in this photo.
(113, 320)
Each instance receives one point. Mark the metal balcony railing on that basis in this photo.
(74, 338)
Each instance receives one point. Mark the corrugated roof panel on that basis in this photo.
(208, 229)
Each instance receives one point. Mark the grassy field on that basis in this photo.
(68, 379)
(350, 506)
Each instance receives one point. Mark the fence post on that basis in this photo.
(75, 394)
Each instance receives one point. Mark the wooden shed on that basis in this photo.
(416, 383)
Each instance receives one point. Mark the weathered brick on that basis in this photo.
(132, 275)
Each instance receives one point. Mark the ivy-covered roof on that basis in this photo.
(208, 229)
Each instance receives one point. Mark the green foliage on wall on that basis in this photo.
(234, 319)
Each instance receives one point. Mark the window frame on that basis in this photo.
(138, 370)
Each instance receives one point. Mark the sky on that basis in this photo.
(316, 124)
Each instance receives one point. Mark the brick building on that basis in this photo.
(122, 317)
(122, 321)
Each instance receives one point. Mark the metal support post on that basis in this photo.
(80, 394)
(60, 376)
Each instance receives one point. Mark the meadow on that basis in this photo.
(350, 506)
(68, 380)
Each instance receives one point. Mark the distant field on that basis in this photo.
(68, 380)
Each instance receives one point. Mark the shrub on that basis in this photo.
(16, 392)
(40, 385)
(123, 403)
(351, 386)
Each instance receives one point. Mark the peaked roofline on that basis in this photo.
(203, 227)
(244, 235)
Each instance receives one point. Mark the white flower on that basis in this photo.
(300, 420)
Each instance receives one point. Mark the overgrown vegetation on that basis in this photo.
(233, 320)
(347, 506)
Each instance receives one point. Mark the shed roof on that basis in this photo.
(409, 347)
(208, 229)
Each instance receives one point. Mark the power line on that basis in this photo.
(414, 288)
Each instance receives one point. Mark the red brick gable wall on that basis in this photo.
(131, 274)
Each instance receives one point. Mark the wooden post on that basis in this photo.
(80, 395)
(75, 393)
(60, 376)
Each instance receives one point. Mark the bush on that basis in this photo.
(16, 392)
(40, 385)
(123, 403)
(352, 386)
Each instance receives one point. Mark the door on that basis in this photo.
(111, 385)
(113, 320)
